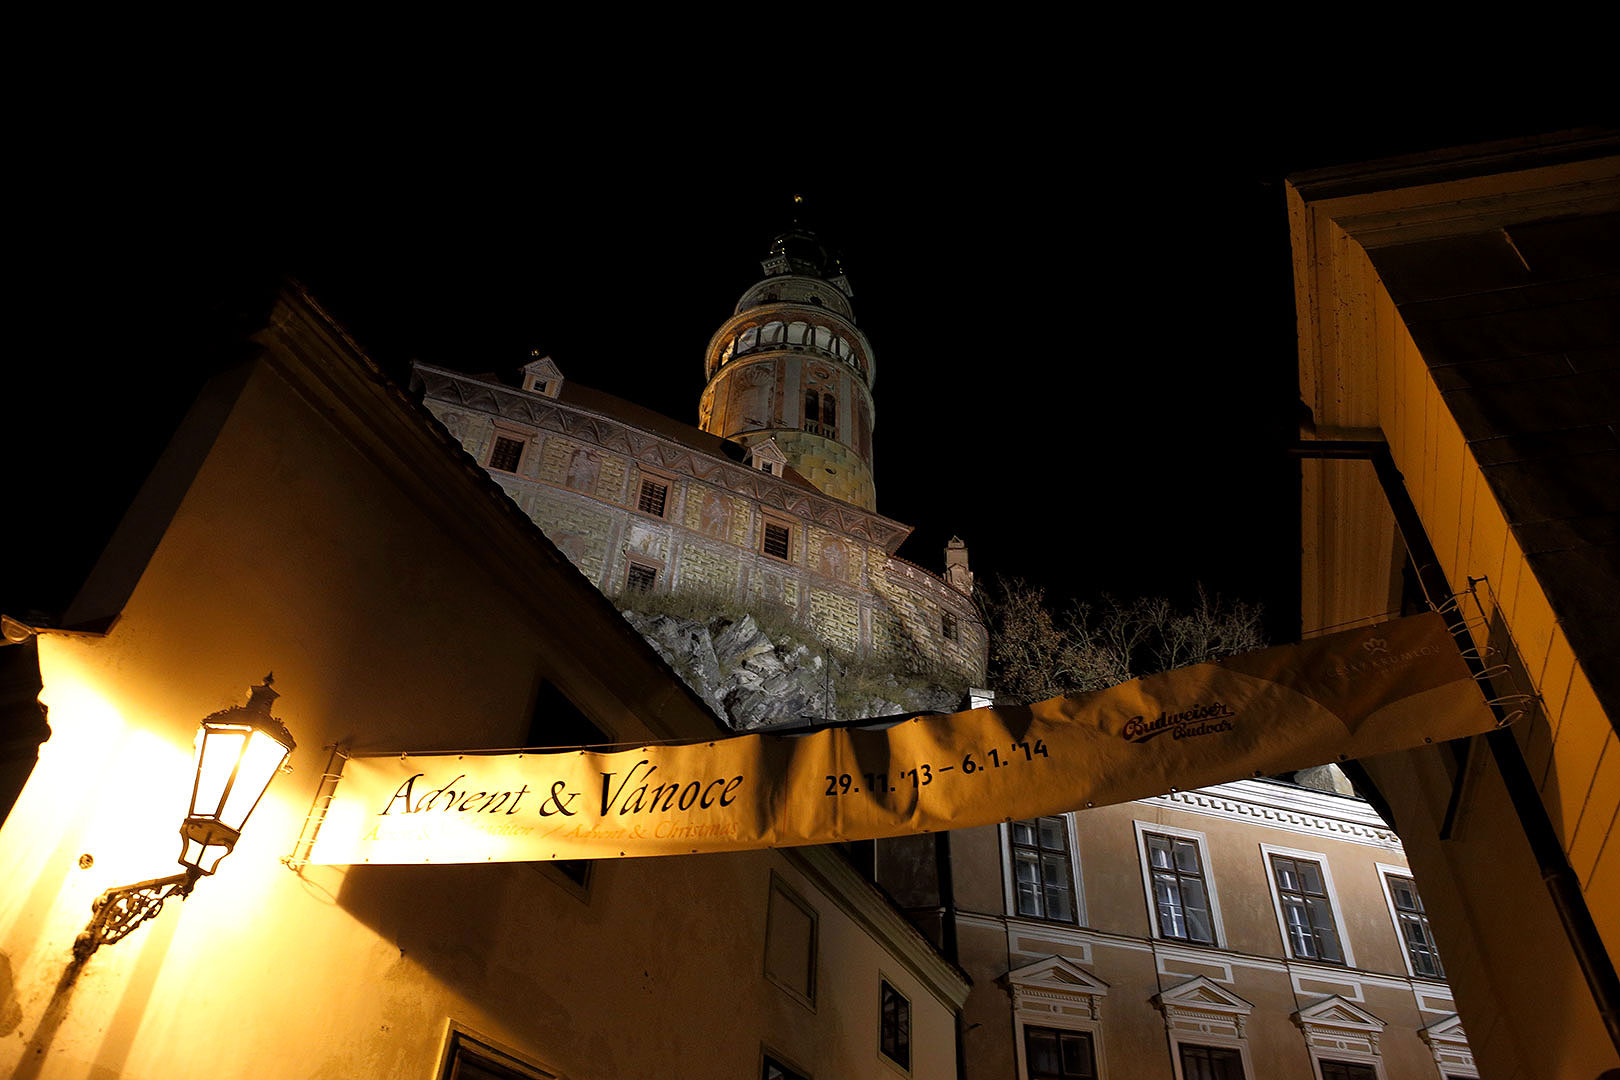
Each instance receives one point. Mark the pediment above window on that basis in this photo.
(1203, 1006)
(1055, 985)
(542, 376)
(1336, 1024)
(1448, 1042)
(766, 453)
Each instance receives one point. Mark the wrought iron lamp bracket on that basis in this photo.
(117, 912)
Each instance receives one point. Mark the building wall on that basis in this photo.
(579, 479)
(1150, 992)
(1443, 233)
(327, 532)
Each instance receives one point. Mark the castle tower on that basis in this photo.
(791, 367)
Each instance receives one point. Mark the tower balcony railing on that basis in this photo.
(826, 431)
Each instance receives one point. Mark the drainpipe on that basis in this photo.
(946, 883)
(1556, 873)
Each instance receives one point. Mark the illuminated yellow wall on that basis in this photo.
(321, 548)
(1364, 378)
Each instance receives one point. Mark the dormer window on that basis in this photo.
(537, 385)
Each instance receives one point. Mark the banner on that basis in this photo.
(1354, 694)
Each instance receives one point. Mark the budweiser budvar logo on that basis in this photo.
(1199, 719)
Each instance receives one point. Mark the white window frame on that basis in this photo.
(884, 978)
(1058, 1022)
(1146, 866)
(1384, 870)
(1009, 885)
(1320, 859)
(1225, 1042)
(1346, 1057)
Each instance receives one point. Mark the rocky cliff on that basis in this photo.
(753, 680)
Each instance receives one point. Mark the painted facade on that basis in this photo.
(1458, 357)
(768, 505)
(310, 519)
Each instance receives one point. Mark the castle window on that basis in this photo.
(948, 626)
(506, 454)
(777, 541)
(654, 497)
(640, 578)
(812, 407)
(829, 415)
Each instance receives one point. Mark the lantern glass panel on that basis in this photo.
(218, 750)
(205, 857)
(260, 761)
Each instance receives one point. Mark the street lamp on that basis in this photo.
(239, 750)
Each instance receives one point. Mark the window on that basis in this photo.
(790, 942)
(776, 541)
(470, 1058)
(1051, 1054)
(894, 1027)
(639, 578)
(767, 467)
(653, 497)
(1307, 911)
(1346, 1070)
(507, 453)
(1043, 875)
(1210, 1063)
(1180, 895)
(948, 626)
(1413, 924)
(557, 723)
(775, 1070)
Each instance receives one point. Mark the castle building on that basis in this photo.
(768, 504)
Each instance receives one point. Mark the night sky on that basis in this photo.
(1084, 337)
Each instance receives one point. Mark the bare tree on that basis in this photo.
(1034, 656)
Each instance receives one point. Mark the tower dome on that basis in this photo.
(791, 365)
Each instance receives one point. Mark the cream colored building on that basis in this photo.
(1255, 930)
(1458, 358)
(309, 519)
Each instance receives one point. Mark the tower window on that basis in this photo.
(507, 454)
(948, 626)
(653, 497)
